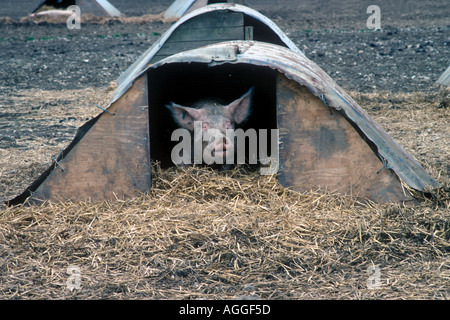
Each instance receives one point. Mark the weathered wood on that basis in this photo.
(176, 47)
(248, 33)
(218, 34)
(320, 149)
(113, 158)
(206, 29)
(215, 19)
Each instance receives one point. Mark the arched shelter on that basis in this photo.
(326, 141)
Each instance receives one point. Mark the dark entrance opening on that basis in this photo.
(185, 83)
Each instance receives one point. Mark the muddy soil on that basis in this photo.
(408, 54)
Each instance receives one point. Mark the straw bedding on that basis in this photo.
(201, 234)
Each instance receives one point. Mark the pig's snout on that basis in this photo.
(222, 146)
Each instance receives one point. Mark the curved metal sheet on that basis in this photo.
(297, 67)
(178, 8)
(108, 8)
(124, 80)
(444, 79)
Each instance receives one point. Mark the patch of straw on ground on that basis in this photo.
(233, 235)
(37, 125)
(418, 121)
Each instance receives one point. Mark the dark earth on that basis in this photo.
(408, 54)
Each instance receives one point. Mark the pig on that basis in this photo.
(211, 116)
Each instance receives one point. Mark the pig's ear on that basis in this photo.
(184, 116)
(239, 109)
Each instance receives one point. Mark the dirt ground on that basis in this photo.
(51, 78)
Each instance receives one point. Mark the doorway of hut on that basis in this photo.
(185, 83)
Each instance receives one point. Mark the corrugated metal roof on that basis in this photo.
(123, 82)
(296, 66)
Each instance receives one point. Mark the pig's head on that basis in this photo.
(214, 115)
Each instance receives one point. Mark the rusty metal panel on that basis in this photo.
(320, 149)
(111, 160)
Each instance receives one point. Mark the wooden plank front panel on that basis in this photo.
(113, 158)
(206, 29)
(320, 149)
(216, 33)
(215, 19)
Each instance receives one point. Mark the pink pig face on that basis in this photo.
(214, 115)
